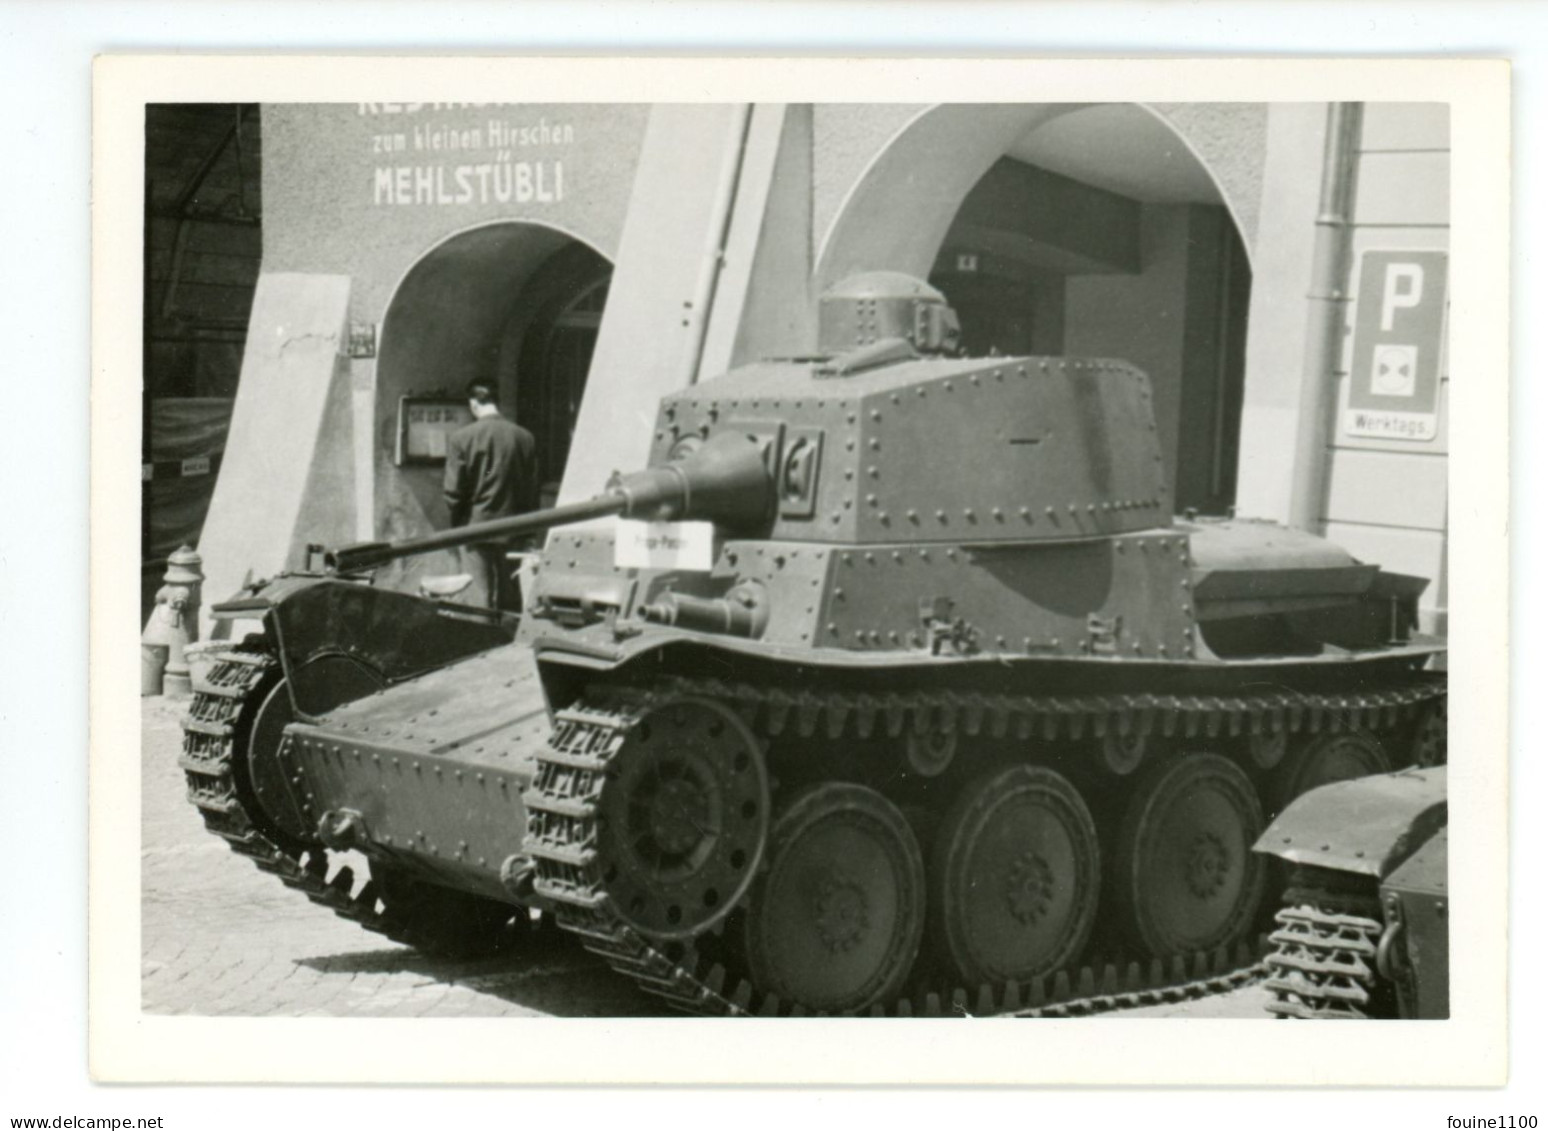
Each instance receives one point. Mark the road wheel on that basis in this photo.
(1322, 759)
(1184, 876)
(1014, 876)
(836, 921)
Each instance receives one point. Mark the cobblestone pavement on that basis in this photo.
(221, 938)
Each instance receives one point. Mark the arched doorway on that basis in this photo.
(1088, 230)
(515, 303)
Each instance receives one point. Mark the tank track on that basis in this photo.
(1323, 965)
(562, 808)
(207, 761)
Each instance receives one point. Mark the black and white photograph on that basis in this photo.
(791, 561)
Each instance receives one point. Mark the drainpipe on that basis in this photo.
(709, 272)
(1325, 316)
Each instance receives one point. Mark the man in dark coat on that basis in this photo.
(491, 472)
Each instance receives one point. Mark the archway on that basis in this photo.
(515, 303)
(1081, 229)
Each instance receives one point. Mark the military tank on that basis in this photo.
(1363, 930)
(950, 706)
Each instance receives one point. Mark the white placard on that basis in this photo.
(664, 545)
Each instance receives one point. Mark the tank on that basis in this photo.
(1363, 927)
(891, 681)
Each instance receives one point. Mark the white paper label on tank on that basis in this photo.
(664, 545)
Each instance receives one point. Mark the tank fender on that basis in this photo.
(396, 635)
(255, 600)
(1368, 826)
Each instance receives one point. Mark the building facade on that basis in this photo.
(588, 258)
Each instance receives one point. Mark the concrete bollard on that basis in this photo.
(153, 666)
(172, 627)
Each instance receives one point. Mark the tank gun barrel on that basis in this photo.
(726, 481)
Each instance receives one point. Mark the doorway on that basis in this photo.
(517, 304)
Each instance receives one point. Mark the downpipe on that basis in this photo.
(1326, 303)
(709, 271)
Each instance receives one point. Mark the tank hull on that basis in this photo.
(949, 706)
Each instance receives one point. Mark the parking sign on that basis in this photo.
(1394, 379)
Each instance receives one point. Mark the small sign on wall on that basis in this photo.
(362, 339)
(1395, 366)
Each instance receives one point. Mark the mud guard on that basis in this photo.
(395, 636)
(1368, 826)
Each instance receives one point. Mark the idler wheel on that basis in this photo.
(1326, 758)
(836, 921)
(1014, 876)
(1428, 745)
(328, 682)
(1184, 876)
(683, 818)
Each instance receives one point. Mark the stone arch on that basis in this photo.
(897, 213)
(463, 310)
(1090, 229)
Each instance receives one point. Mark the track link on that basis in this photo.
(1323, 964)
(210, 733)
(562, 825)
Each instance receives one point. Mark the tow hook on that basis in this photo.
(341, 829)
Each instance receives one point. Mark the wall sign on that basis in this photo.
(1394, 379)
(465, 153)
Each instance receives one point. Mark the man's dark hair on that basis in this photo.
(482, 392)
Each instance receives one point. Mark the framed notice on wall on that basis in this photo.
(424, 425)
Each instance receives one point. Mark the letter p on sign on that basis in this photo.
(1404, 288)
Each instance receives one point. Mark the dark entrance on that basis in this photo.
(553, 357)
